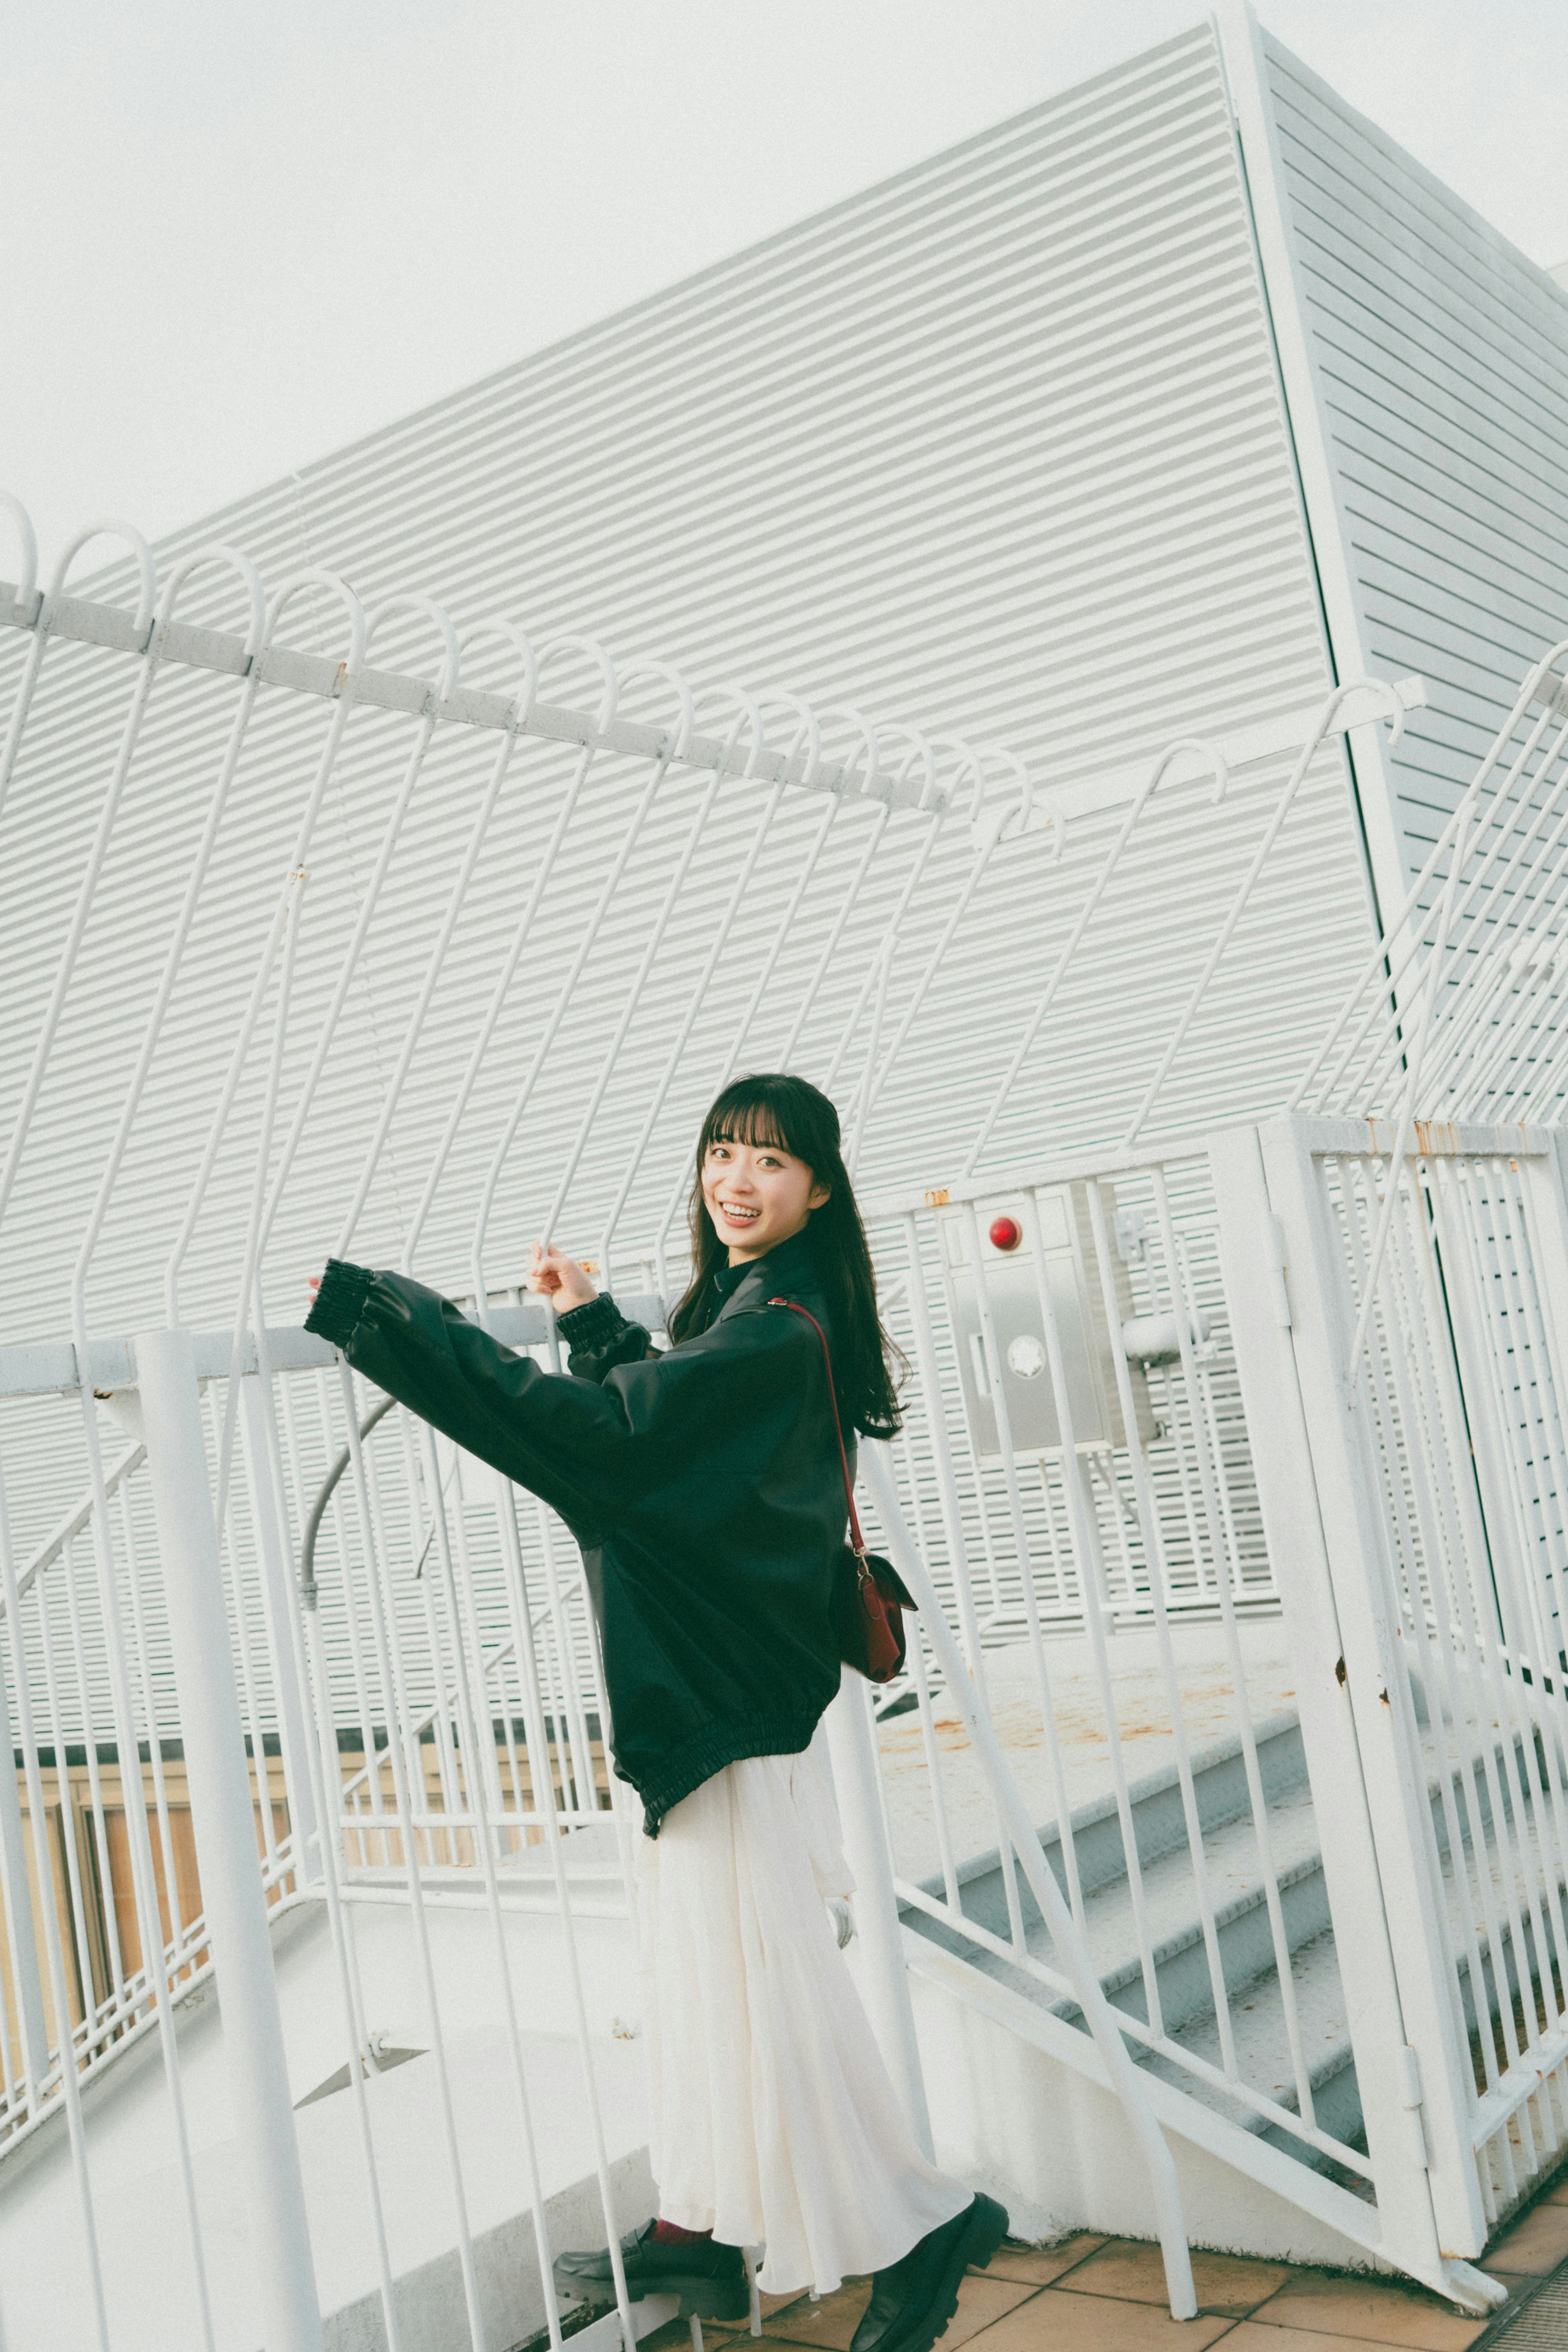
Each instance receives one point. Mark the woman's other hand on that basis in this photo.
(560, 1279)
(313, 1286)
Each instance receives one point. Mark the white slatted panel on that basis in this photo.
(1444, 362)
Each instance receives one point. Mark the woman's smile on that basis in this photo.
(758, 1194)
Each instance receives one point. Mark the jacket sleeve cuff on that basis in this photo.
(340, 1302)
(591, 1326)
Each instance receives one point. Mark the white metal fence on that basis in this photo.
(1438, 1453)
(1074, 1488)
(1096, 1472)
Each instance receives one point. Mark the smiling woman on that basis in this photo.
(770, 1145)
(756, 1194)
(704, 1485)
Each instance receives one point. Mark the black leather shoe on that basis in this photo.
(913, 2300)
(709, 2279)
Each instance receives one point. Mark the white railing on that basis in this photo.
(1455, 1013)
(422, 1708)
(1090, 1514)
(1416, 1503)
(433, 1712)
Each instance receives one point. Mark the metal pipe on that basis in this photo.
(348, 675)
(1304, 757)
(1032, 1026)
(307, 1590)
(877, 1925)
(265, 2147)
(87, 890)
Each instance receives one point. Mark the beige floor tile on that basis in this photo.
(1230, 2285)
(829, 2321)
(1253, 2336)
(1038, 2265)
(829, 2324)
(1055, 2321)
(675, 2336)
(1371, 2310)
(766, 2342)
(1535, 2245)
(982, 2301)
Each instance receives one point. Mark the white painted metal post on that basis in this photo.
(1376, 1676)
(278, 1600)
(1252, 1264)
(876, 1906)
(288, 2313)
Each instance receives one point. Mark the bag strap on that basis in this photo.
(857, 1541)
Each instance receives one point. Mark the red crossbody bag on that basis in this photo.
(868, 1595)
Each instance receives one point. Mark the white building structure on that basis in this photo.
(1187, 441)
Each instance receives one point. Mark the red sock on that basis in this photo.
(670, 2234)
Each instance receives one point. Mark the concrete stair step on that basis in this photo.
(1263, 2056)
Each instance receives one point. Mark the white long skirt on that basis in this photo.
(772, 2118)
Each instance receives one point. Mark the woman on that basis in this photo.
(704, 1485)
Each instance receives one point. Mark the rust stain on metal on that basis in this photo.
(937, 1197)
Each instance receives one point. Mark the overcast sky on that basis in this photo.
(236, 237)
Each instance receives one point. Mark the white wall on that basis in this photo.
(1441, 356)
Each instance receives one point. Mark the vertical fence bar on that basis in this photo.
(55, 1953)
(277, 1607)
(1102, 2021)
(853, 1758)
(287, 2309)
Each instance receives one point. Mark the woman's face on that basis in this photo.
(758, 1194)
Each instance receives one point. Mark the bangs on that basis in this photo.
(772, 1110)
(754, 1123)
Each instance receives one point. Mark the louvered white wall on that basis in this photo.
(996, 442)
(997, 447)
(1439, 358)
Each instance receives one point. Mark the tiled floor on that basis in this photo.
(1108, 2294)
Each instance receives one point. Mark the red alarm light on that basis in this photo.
(1005, 1233)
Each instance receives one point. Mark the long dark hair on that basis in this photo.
(772, 1107)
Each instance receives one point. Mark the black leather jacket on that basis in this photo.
(703, 1485)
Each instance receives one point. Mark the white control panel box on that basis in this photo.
(1015, 1360)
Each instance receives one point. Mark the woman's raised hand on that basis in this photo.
(558, 1277)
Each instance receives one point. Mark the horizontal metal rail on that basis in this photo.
(86, 622)
(1242, 747)
(50, 1366)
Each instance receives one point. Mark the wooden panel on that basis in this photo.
(33, 1927)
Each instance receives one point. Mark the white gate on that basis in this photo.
(1406, 1405)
